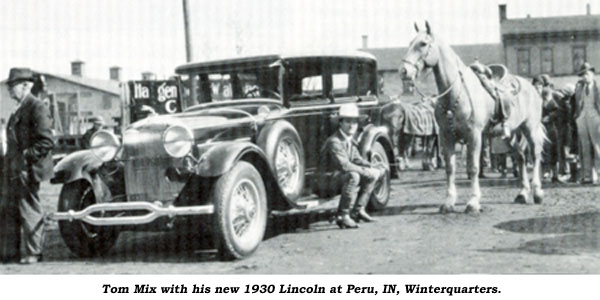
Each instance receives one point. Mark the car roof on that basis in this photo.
(264, 61)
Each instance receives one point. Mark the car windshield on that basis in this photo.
(236, 85)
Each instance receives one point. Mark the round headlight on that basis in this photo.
(104, 145)
(178, 141)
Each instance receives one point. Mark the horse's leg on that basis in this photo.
(429, 154)
(424, 162)
(473, 160)
(520, 153)
(450, 160)
(407, 140)
(438, 157)
(536, 137)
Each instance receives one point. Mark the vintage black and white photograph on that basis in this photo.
(299, 137)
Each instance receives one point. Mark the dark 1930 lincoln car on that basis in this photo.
(246, 144)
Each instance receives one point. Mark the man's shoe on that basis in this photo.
(362, 214)
(558, 180)
(346, 222)
(30, 259)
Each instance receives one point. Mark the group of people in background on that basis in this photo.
(571, 117)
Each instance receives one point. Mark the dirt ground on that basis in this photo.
(559, 236)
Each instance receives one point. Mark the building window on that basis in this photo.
(523, 62)
(106, 102)
(547, 60)
(579, 57)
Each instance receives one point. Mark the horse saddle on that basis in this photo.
(502, 86)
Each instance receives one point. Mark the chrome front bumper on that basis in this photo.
(155, 210)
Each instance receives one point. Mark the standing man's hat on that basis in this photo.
(97, 120)
(585, 67)
(542, 79)
(546, 79)
(17, 75)
(537, 80)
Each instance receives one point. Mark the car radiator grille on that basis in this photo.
(145, 167)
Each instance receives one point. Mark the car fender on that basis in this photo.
(372, 134)
(221, 158)
(75, 166)
(82, 165)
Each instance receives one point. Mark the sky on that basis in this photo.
(148, 35)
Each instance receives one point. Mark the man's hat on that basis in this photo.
(586, 67)
(17, 75)
(350, 111)
(543, 79)
(97, 120)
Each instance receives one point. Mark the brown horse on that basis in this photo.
(464, 109)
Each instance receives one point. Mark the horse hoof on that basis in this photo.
(444, 209)
(520, 200)
(537, 199)
(472, 209)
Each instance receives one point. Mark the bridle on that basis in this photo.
(415, 65)
(421, 58)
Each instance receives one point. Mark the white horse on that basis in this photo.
(464, 110)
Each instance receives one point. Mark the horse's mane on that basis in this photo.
(447, 49)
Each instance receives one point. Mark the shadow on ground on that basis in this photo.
(165, 247)
(576, 233)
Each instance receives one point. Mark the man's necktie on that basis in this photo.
(587, 89)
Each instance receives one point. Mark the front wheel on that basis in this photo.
(240, 217)
(381, 194)
(83, 239)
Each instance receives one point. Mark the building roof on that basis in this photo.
(107, 86)
(389, 59)
(550, 24)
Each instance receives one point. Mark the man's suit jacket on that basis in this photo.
(30, 141)
(579, 93)
(337, 156)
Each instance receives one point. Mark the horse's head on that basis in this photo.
(423, 53)
(393, 114)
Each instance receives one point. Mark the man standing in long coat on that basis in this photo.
(28, 161)
(587, 116)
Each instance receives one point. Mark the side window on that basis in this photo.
(312, 86)
(340, 84)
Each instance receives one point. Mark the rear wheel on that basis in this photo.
(381, 194)
(240, 217)
(83, 239)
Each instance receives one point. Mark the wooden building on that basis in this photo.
(529, 46)
(74, 98)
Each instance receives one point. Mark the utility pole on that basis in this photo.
(186, 27)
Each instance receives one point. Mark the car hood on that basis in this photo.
(144, 138)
